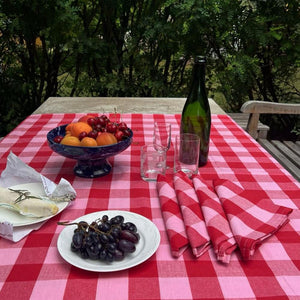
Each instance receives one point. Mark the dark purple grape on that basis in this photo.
(84, 225)
(93, 252)
(105, 218)
(99, 246)
(109, 257)
(77, 239)
(117, 220)
(115, 232)
(94, 236)
(130, 226)
(93, 226)
(104, 238)
(111, 238)
(119, 255)
(89, 241)
(83, 253)
(126, 246)
(73, 248)
(102, 254)
(136, 235)
(129, 236)
(111, 248)
(105, 227)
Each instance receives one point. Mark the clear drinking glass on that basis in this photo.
(186, 158)
(153, 162)
(162, 135)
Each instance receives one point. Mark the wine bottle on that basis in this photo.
(196, 116)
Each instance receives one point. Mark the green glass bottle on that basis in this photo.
(196, 116)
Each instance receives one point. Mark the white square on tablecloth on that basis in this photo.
(236, 287)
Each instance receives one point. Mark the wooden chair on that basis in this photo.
(285, 152)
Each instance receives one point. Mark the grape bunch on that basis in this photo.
(105, 239)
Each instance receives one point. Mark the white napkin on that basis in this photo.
(17, 172)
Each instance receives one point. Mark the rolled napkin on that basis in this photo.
(172, 215)
(253, 217)
(27, 204)
(215, 219)
(192, 215)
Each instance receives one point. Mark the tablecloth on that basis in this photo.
(33, 268)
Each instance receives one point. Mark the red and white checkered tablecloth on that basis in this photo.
(33, 268)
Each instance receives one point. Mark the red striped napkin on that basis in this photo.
(215, 219)
(182, 214)
(172, 215)
(252, 221)
(192, 215)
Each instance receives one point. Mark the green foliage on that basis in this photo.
(143, 48)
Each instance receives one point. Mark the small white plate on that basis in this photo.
(145, 248)
(16, 219)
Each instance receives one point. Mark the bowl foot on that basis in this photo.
(92, 168)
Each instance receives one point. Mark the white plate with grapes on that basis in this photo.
(108, 241)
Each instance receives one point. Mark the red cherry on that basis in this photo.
(102, 121)
(119, 135)
(93, 134)
(127, 132)
(105, 118)
(98, 127)
(58, 139)
(122, 126)
(82, 135)
(91, 121)
(111, 127)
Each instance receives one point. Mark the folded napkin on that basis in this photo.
(182, 214)
(172, 215)
(253, 217)
(192, 214)
(215, 219)
(17, 172)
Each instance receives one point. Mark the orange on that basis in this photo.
(106, 138)
(70, 141)
(69, 126)
(79, 127)
(88, 142)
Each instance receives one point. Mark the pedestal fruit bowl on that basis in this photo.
(91, 161)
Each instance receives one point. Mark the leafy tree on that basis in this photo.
(143, 48)
(34, 45)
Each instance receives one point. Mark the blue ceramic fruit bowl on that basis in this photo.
(91, 161)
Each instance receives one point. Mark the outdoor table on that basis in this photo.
(33, 268)
(161, 105)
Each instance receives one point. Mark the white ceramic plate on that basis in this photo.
(145, 248)
(17, 219)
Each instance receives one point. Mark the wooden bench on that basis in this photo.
(242, 120)
(287, 153)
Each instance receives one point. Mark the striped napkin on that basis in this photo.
(192, 214)
(252, 215)
(172, 215)
(215, 219)
(182, 215)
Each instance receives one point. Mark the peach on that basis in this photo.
(106, 138)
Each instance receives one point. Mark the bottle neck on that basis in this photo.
(198, 82)
(199, 73)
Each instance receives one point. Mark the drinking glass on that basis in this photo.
(162, 135)
(186, 158)
(153, 162)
